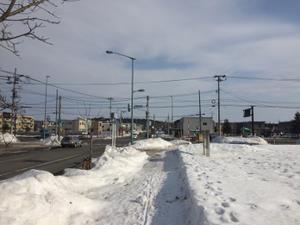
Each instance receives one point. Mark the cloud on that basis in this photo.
(171, 40)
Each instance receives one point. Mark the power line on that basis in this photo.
(128, 83)
(265, 78)
(61, 88)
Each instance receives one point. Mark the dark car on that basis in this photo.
(71, 142)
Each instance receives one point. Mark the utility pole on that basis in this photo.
(168, 124)
(56, 112)
(110, 104)
(200, 114)
(154, 122)
(172, 108)
(45, 113)
(147, 117)
(219, 78)
(252, 119)
(172, 115)
(59, 117)
(110, 117)
(13, 127)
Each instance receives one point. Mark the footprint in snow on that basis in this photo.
(284, 206)
(219, 210)
(232, 199)
(253, 206)
(234, 217)
(225, 204)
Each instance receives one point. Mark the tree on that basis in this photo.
(296, 123)
(3, 102)
(22, 19)
(226, 127)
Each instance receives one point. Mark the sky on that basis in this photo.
(170, 40)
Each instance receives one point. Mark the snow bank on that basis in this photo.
(38, 197)
(8, 138)
(52, 141)
(243, 184)
(180, 142)
(153, 144)
(240, 140)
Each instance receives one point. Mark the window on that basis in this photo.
(204, 124)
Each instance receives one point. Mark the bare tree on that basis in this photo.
(23, 18)
(3, 102)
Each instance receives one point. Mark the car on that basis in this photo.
(70, 141)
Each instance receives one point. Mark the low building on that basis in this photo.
(259, 127)
(286, 127)
(77, 126)
(99, 127)
(24, 123)
(188, 126)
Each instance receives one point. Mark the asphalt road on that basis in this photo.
(54, 160)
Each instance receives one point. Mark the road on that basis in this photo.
(54, 160)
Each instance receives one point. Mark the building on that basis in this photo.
(286, 127)
(77, 126)
(100, 126)
(24, 123)
(188, 126)
(259, 127)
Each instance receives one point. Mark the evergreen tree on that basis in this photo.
(296, 123)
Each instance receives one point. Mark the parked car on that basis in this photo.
(70, 141)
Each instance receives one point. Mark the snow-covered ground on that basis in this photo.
(153, 144)
(242, 184)
(53, 140)
(180, 142)
(7, 138)
(240, 140)
(238, 184)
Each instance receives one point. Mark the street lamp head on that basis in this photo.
(109, 52)
(141, 90)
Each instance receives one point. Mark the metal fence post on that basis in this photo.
(204, 142)
(207, 143)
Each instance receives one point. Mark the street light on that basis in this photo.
(132, 78)
(45, 113)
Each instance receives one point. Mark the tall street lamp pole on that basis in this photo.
(45, 113)
(132, 81)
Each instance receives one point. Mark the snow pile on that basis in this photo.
(243, 184)
(180, 142)
(240, 140)
(52, 140)
(8, 138)
(153, 144)
(79, 197)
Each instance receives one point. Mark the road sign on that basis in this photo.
(247, 112)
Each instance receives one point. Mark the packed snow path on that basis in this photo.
(158, 195)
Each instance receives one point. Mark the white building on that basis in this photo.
(187, 126)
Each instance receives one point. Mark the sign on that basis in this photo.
(247, 112)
